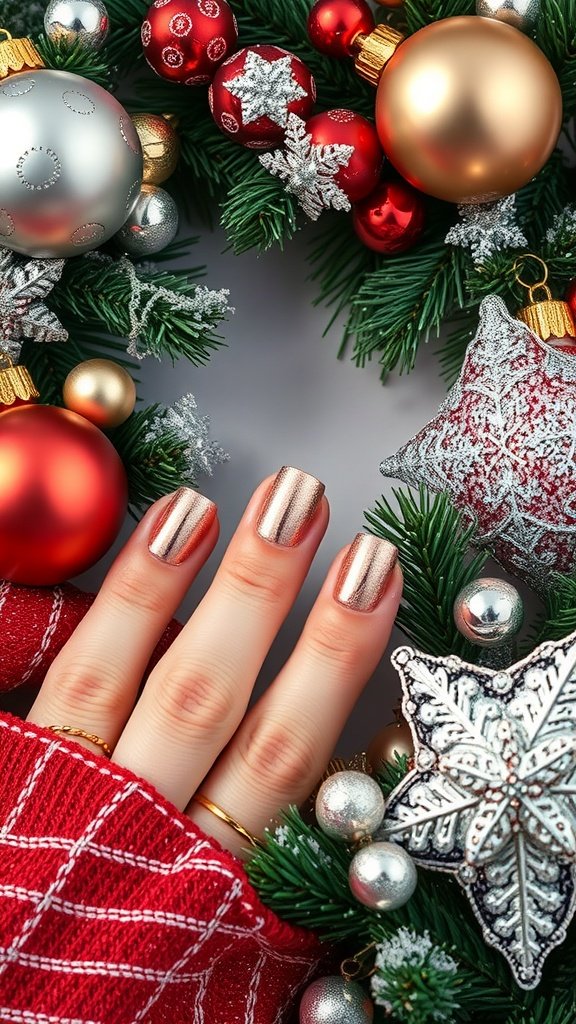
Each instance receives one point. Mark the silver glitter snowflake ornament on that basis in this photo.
(492, 796)
(24, 284)
(309, 169)
(266, 88)
(183, 421)
(487, 228)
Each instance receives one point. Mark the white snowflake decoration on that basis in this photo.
(183, 420)
(563, 225)
(408, 948)
(487, 228)
(492, 796)
(23, 314)
(309, 170)
(266, 88)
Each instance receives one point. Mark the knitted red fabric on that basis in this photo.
(116, 909)
(35, 622)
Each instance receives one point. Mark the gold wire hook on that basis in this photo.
(6, 362)
(531, 288)
(5, 32)
(353, 967)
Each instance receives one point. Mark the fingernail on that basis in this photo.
(365, 572)
(289, 507)
(181, 526)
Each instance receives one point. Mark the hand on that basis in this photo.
(190, 729)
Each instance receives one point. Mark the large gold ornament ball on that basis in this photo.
(100, 390)
(468, 109)
(393, 739)
(160, 146)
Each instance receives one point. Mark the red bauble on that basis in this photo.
(185, 40)
(571, 297)
(344, 127)
(391, 218)
(334, 24)
(63, 494)
(254, 91)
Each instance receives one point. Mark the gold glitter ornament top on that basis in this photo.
(17, 55)
(375, 50)
(15, 382)
(547, 317)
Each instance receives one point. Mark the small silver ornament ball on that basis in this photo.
(489, 612)
(332, 1000)
(70, 164)
(349, 806)
(85, 21)
(522, 14)
(152, 224)
(382, 876)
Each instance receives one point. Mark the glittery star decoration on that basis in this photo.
(492, 795)
(503, 446)
(23, 286)
(265, 88)
(487, 228)
(309, 169)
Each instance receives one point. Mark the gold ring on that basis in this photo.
(220, 813)
(69, 730)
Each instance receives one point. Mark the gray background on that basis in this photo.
(277, 394)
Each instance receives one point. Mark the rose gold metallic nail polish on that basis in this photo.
(181, 526)
(365, 572)
(289, 507)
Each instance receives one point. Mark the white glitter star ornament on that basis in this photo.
(309, 169)
(266, 88)
(503, 445)
(487, 228)
(24, 284)
(492, 796)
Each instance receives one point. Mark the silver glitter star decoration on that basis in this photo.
(184, 423)
(487, 228)
(492, 796)
(309, 170)
(265, 88)
(24, 284)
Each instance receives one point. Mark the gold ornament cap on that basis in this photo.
(17, 55)
(15, 382)
(547, 317)
(375, 50)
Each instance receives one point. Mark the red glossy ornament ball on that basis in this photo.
(254, 91)
(571, 297)
(391, 218)
(186, 40)
(344, 127)
(63, 494)
(334, 24)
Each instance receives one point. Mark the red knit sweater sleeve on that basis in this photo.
(116, 909)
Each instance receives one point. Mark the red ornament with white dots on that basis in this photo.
(185, 41)
(255, 90)
(391, 218)
(333, 25)
(346, 128)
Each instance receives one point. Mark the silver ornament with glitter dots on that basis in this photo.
(70, 165)
(333, 1000)
(83, 21)
(151, 226)
(349, 806)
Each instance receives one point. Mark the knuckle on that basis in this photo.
(280, 756)
(329, 641)
(194, 702)
(128, 588)
(87, 688)
(250, 576)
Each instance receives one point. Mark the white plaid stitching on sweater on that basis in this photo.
(14, 1016)
(54, 619)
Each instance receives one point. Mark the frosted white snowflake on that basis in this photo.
(487, 228)
(408, 948)
(309, 170)
(183, 420)
(266, 88)
(564, 224)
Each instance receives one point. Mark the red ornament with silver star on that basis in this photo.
(346, 128)
(186, 40)
(254, 91)
(391, 218)
(334, 24)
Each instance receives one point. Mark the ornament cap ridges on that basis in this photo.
(549, 318)
(375, 50)
(18, 55)
(15, 382)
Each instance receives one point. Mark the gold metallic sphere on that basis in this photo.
(160, 146)
(393, 739)
(468, 109)
(101, 391)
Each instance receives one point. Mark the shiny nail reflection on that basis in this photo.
(365, 572)
(290, 507)
(182, 525)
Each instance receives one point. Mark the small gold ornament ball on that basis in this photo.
(160, 146)
(101, 391)
(468, 109)
(393, 738)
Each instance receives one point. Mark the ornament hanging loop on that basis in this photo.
(354, 968)
(531, 287)
(6, 33)
(547, 317)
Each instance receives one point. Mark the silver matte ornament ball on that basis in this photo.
(349, 806)
(382, 876)
(84, 21)
(332, 1000)
(152, 224)
(489, 612)
(522, 14)
(70, 164)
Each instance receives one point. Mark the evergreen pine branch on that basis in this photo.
(433, 545)
(542, 198)
(124, 44)
(545, 1011)
(423, 12)
(259, 213)
(339, 261)
(559, 618)
(50, 364)
(153, 467)
(392, 773)
(556, 36)
(77, 59)
(454, 345)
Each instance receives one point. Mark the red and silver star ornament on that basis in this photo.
(360, 175)
(503, 445)
(255, 91)
(186, 40)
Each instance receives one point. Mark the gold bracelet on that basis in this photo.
(224, 816)
(70, 730)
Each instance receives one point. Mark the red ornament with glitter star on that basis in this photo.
(254, 91)
(334, 24)
(391, 218)
(344, 127)
(186, 40)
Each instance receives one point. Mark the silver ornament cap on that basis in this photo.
(332, 1000)
(152, 225)
(489, 612)
(84, 21)
(349, 806)
(521, 14)
(382, 876)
